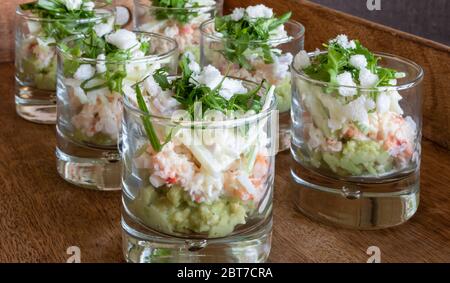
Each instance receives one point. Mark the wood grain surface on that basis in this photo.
(41, 215)
(7, 29)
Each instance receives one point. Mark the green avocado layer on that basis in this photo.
(356, 158)
(44, 79)
(283, 93)
(100, 139)
(171, 210)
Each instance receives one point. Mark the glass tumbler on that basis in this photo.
(355, 174)
(90, 111)
(181, 24)
(35, 60)
(276, 73)
(214, 203)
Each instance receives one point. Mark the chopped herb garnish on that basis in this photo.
(248, 35)
(325, 67)
(190, 94)
(175, 10)
(91, 46)
(58, 10)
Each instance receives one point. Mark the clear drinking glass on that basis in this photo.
(35, 60)
(88, 122)
(276, 73)
(364, 177)
(217, 222)
(181, 24)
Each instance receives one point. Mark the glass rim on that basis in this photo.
(187, 124)
(101, 13)
(300, 33)
(147, 58)
(147, 4)
(406, 85)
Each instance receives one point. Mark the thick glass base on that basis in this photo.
(356, 205)
(86, 167)
(143, 245)
(35, 105)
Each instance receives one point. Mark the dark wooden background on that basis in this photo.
(429, 19)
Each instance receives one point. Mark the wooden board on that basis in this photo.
(42, 215)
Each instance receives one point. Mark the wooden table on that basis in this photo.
(41, 215)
